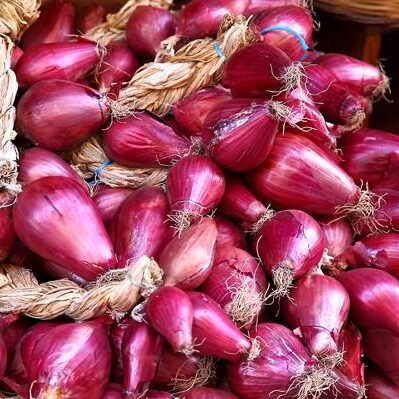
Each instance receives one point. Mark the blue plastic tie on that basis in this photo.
(102, 166)
(217, 48)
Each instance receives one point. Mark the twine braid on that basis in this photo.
(115, 293)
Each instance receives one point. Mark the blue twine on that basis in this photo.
(217, 48)
(102, 166)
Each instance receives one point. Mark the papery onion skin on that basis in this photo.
(141, 350)
(66, 61)
(72, 360)
(141, 140)
(92, 15)
(373, 295)
(299, 174)
(59, 115)
(207, 393)
(338, 235)
(372, 156)
(54, 25)
(147, 28)
(187, 260)
(139, 226)
(236, 281)
(170, 313)
(216, 334)
(229, 233)
(318, 307)
(55, 218)
(191, 112)
(7, 234)
(380, 387)
(293, 17)
(257, 6)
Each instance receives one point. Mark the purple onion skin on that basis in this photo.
(229, 233)
(338, 235)
(151, 394)
(7, 234)
(147, 28)
(59, 115)
(139, 225)
(55, 271)
(92, 14)
(71, 360)
(257, 6)
(56, 218)
(3, 356)
(114, 391)
(379, 386)
(207, 393)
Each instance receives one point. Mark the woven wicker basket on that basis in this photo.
(365, 11)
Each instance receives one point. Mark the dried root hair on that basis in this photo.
(267, 215)
(283, 280)
(383, 88)
(181, 220)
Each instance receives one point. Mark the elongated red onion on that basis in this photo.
(7, 234)
(54, 25)
(229, 233)
(201, 18)
(16, 54)
(144, 141)
(35, 163)
(187, 259)
(283, 367)
(337, 234)
(59, 115)
(362, 78)
(66, 61)
(139, 225)
(117, 66)
(289, 245)
(317, 309)
(380, 251)
(374, 295)
(109, 199)
(379, 386)
(147, 28)
(299, 174)
(55, 271)
(268, 71)
(92, 15)
(194, 186)
(238, 284)
(113, 391)
(288, 28)
(190, 113)
(347, 388)
(257, 6)
(55, 217)
(170, 312)
(215, 333)
(207, 393)
(335, 101)
(141, 350)
(372, 156)
(72, 360)
(241, 205)
(242, 140)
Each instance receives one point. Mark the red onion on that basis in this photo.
(299, 174)
(337, 234)
(142, 140)
(241, 205)
(170, 312)
(72, 360)
(54, 25)
(362, 78)
(288, 28)
(238, 284)
(380, 387)
(380, 251)
(289, 245)
(187, 259)
(229, 233)
(114, 391)
(141, 348)
(36, 163)
(207, 393)
(372, 156)
(21, 255)
(139, 225)
(92, 15)
(117, 66)
(194, 186)
(335, 101)
(256, 6)
(214, 333)
(55, 271)
(283, 368)
(66, 61)
(147, 28)
(191, 112)
(59, 115)
(374, 296)
(56, 218)
(201, 18)
(242, 140)
(16, 54)
(109, 199)
(7, 235)
(268, 71)
(158, 395)
(318, 308)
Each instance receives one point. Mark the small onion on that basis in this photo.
(229, 233)
(379, 386)
(338, 235)
(7, 235)
(92, 15)
(207, 393)
(257, 6)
